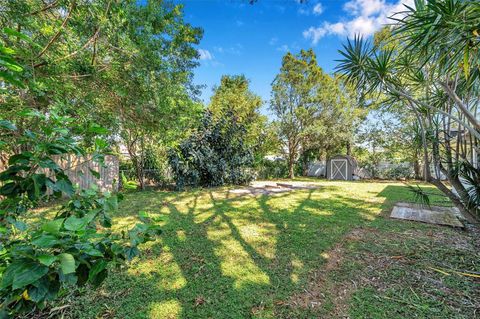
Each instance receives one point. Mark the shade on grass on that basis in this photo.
(237, 257)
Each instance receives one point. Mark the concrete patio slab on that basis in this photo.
(448, 216)
(270, 188)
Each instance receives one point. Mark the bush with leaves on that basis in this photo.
(74, 248)
(214, 155)
(268, 169)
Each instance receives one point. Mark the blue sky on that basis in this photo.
(240, 38)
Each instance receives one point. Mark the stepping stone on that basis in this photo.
(284, 185)
(427, 214)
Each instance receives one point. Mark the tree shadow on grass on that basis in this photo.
(236, 257)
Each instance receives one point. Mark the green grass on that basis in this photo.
(247, 257)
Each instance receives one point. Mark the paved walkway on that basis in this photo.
(269, 188)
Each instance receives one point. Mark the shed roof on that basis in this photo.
(352, 161)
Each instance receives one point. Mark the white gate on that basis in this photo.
(338, 169)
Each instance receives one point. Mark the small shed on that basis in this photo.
(341, 167)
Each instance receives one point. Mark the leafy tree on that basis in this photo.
(315, 113)
(295, 100)
(37, 262)
(215, 154)
(431, 69)
(125, 65)
(234, 96)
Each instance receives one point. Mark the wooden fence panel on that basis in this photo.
(78, 169)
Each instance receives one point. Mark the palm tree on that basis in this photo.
(431, 66)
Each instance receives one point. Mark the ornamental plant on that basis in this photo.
(215, 154)
(76, 246)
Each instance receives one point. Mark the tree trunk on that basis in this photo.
(349, 148)
(460, 105)
(291, 173)
(455, 200)
(416, 169)
(137, 160)
(305, 166)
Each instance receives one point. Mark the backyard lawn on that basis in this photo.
(328, 252)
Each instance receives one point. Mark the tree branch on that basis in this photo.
(47, 7)
(460, 105)
(415, 101)
(55, 37)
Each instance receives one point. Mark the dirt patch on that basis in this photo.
(314, 295)
(380, 254)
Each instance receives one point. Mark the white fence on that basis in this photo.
(384, 170)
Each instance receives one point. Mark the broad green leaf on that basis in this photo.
(20, 35)
(38, 185)
(10, 66)
(22, 158)
(65, 186)
(131, 252)
(53, 227)
(100, 143)
(93, 252)
(28, 273)
(111, 204)
(47, 260)
(45, 241)
(6, 50)
(97, 268)
(18, 224)
(67, 263)
(75, 224)
(9, 274)
(39, 292)
(95, 128)
(94, 173)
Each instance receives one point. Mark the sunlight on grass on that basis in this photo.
(169, 278)
(236, 262)
(169, 309)
(297, 265)
(222, 256)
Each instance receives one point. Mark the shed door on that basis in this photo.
(338, 167)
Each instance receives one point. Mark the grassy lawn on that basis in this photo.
(329, 252)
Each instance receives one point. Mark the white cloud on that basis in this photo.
(364, 7)
(306, 9)
(367, 17)
(303, 10)
(318, 9)
(315, 34)
(273, 41)
(234, 49)
(283, 48)
(205, 54)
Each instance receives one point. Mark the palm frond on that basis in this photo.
(419, 195)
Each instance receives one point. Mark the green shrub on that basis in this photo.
(215, 154)
(127, 184)
(76, 247)
(269, 169)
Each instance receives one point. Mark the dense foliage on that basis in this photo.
(234, 95)
(74, 247)
(431, 68)
(215, 154)
(316, 113)
(125, 65)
